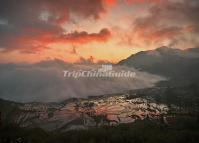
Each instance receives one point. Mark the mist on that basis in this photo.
(45, 82)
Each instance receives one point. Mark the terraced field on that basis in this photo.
(86, 113)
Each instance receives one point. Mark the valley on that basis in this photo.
(85, 113)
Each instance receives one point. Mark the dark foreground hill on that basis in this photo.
(138, 132)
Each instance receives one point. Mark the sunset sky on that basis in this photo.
(93, 30)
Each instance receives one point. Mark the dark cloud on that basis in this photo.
(169, 19)
(29, 10)
(31, 24)
(83, 60)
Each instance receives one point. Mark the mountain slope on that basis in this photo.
(175, 64)
(85, 113)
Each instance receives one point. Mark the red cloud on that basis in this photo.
(84, 37)
(34, 24)
(110, 2)
(41, 39)
(141, 1)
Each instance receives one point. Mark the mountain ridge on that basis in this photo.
(178, 65)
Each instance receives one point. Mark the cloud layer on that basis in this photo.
(169, 20)
(34, 24)
(44, 81)
(107, 30)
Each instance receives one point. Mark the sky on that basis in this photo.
(32, 31)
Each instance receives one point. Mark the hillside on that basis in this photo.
(180, 66)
